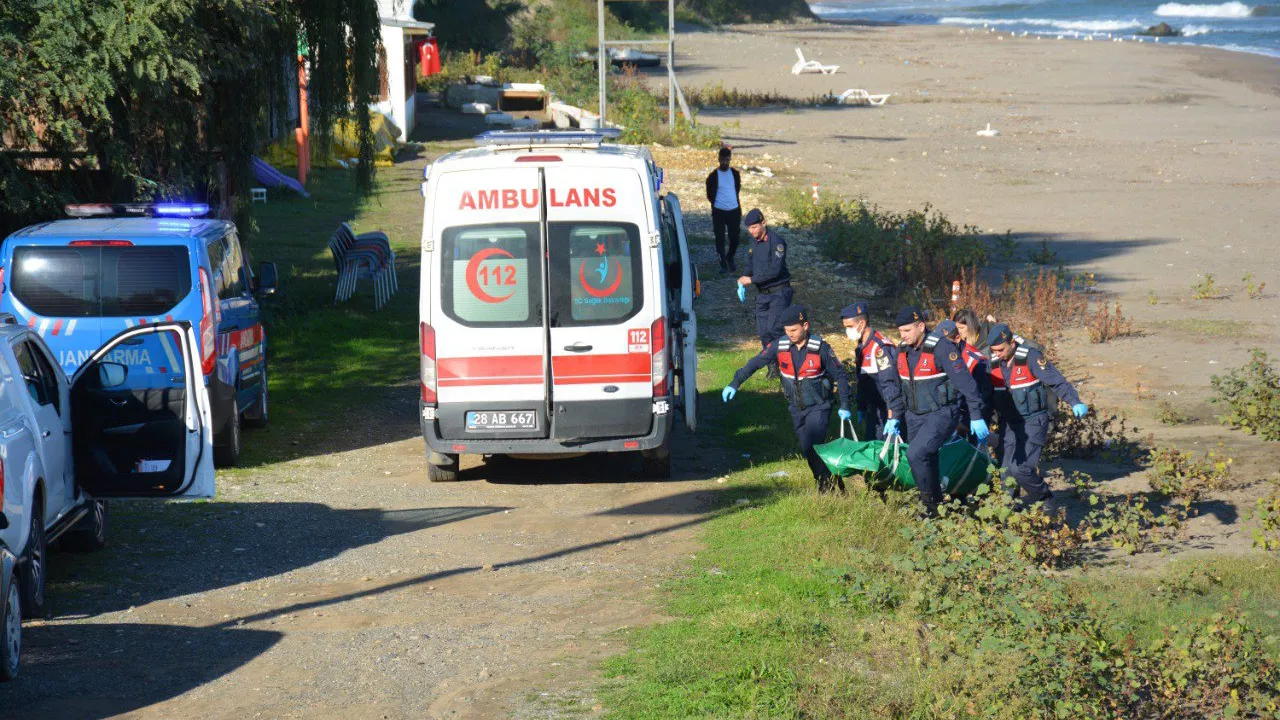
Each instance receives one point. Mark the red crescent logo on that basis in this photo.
(473, 274)
(582, 278)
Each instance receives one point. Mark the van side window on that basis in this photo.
(596, 273)
(217, 254)
(233, 270)
(490, 275)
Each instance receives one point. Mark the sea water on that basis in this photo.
(1242, 26)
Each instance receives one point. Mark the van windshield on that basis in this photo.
(101, 281)
(595, 273)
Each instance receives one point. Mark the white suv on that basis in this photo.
(124, 426)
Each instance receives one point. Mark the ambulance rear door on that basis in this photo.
(604, 305)
(486, 308)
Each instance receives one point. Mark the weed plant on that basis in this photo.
(1251, 394)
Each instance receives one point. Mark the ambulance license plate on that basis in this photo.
(481, 420)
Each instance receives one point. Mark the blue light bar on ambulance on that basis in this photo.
(187, 210)
(547, 137)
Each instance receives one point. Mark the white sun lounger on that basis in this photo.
(858, 96)
(811, 66)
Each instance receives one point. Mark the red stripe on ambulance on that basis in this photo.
(506, 370)
(621, 368)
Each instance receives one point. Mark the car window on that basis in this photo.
(595, 273)
(49, 380)
(37, 387)
(490, 275)
(94, 281)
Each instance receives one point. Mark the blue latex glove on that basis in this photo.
(979, 429)
(728, 394)
(844, 414)
(1079, 410)
(742, 293)
(891, 427)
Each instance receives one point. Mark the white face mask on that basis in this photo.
(854, 335)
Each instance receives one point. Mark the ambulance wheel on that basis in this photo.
(446, 472)
(656, 463)
(10, 632)
(226, 450)
(90, 533)
(35, 566)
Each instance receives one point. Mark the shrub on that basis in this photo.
(1044, 255)
(717, 96)
(1100, 435)
(1040, 305)
(1205, 289)
(1180, 475)
(1254, 289)
(645, 118)
(1266, 519)
(1168, 414)
(1252, 396)
(918, 250)
(1104, 325)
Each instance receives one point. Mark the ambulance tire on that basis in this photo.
(443, 473)
(226, 449)
(656, 463)
(89, 534)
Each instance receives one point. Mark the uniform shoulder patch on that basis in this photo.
(1042, 362)
(780, 250)
(954, 356)
(882, 359)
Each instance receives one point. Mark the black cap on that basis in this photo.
(794, 315)
(999, 335)
(908, 315)
(948, 328)
(856, 310)
(753, 217)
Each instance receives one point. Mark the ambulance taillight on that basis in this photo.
(208, 330)
(428, 371)
(660, 362)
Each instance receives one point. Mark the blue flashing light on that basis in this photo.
(188, 210)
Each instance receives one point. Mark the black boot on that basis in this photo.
(733, 267)
(724, 266)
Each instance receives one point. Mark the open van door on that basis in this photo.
(140, 417)
(685, 327)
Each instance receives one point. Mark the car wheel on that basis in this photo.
(656, 463)
(90, 534)
(443, 473)
(35, 566)
(10, 633)
(256, 416)
(227, 454)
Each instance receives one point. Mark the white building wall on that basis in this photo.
(393, 43)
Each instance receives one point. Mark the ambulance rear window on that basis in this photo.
(491, 275)
(101, 281)
(595, 273)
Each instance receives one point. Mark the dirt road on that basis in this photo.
(346, 585)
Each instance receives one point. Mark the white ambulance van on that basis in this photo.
(556, 302)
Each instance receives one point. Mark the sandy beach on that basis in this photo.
(1148, 165)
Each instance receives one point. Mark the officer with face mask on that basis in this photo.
(809, 370)
(1019, 374)
(933, 378)
(874, 358)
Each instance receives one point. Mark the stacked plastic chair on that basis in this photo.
(364, 256)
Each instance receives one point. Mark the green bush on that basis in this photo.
(1252, 396)
(1266, 519)
(1180, 475)
(644, 118)
(916, 250)
(991, 608)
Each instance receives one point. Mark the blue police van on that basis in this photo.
(79, 282)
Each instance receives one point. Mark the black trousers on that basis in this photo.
(811, 429)
(927, 433)
(730, 222)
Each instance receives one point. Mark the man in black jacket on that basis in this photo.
(724, 185)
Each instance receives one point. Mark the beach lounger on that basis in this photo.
(858, 96)
(811, 66)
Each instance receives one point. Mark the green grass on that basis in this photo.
(761, 627)
(330, 364)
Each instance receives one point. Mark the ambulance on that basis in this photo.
(556, 303)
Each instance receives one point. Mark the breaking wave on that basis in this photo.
(1225, 10)
(1078, 25)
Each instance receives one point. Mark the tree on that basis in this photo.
(132, 99)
